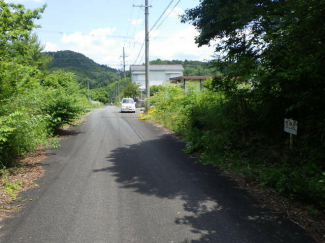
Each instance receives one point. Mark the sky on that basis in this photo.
(100, 29)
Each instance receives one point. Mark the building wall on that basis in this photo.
(155, 77)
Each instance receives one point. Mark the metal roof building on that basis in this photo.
(158, 74)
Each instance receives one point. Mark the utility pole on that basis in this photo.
(146, 50)
(88, 90)
(147, 53)
(124, 67)
(118, 88)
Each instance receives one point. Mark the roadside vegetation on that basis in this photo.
(219, 131)
(271, 58)
(33, 102)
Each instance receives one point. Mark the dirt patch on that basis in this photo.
(18, 179)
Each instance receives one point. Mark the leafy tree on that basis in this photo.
(33, 103)
(131, 90)
(191, 68)
(85, 69)
(60, 79)
(16, 23)
(155, 89)
(278, 47)
(271, 55)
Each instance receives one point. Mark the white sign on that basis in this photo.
(290, 126)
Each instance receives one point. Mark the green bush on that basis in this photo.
(61, 109)
(20, 132)
(218, 130)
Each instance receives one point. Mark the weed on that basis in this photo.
(220, 131)
(54, 142)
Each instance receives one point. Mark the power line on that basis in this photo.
(135, 28)
(151, 30)
(82, 33)
(141, 58)
(127, 33)
(162, 14)
(168, 14)
(159, 25)
(139, 53)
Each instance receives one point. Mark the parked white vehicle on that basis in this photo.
(128, 105)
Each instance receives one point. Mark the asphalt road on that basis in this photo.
(121, 179)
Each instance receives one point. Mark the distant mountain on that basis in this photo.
(84, 68)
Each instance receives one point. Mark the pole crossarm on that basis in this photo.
(142, 6)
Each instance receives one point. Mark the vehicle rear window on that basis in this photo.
(127, 101)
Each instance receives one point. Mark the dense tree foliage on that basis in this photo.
(99, 77)
(278, 47)
(191, 68)
(85, 69)
(33, 103)
(131, 90)
(271, 55)
(15, 27)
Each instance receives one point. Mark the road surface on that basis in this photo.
(121, 179)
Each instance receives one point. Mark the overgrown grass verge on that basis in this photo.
(27, 169)
(206, 121)
(30, 121)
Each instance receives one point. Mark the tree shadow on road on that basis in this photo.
(216, 210)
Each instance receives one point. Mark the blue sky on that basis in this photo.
(100, 29)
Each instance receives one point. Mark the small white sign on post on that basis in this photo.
(290, 126)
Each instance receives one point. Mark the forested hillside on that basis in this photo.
(84, 68)
(191, 68)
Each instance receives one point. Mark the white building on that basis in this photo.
(158, 74)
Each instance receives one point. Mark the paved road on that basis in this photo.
(120, 179)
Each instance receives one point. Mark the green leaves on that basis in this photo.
(7, 126)
(131, 90)
(16, 23)
(32, 103)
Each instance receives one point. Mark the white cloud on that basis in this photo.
(180, 44)
(99, 44)
(48, 46)
(104, 48)
(96, 41)
(102, 32)
(136, 22)
(175, 12)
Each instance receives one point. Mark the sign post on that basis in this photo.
(291, 126)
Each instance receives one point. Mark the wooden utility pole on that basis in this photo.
(147, 53)
(146, 50)
(88, 90)
(124, 67)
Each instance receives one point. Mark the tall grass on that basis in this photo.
(218, 130)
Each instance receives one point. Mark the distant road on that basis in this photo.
(120, 179)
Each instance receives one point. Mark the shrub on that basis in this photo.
(61, 109)
(20, 132)
(218, 129)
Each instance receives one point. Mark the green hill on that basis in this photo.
(84, 68)
(191, 68)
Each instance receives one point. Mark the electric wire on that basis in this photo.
(138, 54)
(127, 33)
(168, 14)
(152, 28)
(162, 14)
